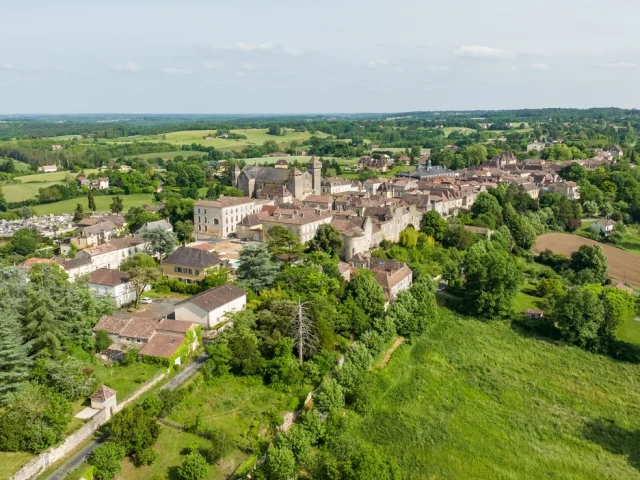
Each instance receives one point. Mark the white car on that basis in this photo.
(146, 300)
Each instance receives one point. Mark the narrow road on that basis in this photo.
(185, 373)
(75, 461)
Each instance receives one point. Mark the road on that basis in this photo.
(75, 461)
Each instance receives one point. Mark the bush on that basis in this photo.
(330, 397)
(102, 341)
(146, 456)
(194, 467)
(280, 464)
(130, 357)
(105, 460)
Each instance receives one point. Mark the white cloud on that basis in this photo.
(539, 66)
(252, 47)
(129, 67)
(621, 65)
(479, 51)
(375, 63)
(177, 71)
(215, 65)
(438, 69)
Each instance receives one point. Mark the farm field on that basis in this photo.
(473, 399)
(32, 183)
(254, 137)
(102, 204)
(168, 155)
(623, 266)
(465, 130)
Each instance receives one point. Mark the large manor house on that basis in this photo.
(258, 182)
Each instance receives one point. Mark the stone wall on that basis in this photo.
(38, 464)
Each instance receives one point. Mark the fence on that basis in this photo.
(38, 464)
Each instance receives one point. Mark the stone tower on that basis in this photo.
(235, 175)
(314, 167)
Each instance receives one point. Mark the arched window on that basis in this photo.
(215, 221)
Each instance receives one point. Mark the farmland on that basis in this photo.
(102, 203)
(623, 266)
(168, 155)
(473, 399)
(30, 184)
(254, 137)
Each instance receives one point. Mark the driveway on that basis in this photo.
(162, 307)
(185, 373)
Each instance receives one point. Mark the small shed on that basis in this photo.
(104, 397)
(531, 313)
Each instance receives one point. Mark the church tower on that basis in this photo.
(235, 175)
(314, 167)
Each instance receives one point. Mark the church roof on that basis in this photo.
(267, 174)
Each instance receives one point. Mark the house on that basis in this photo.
(485, 232)
(277, 193)
(83, 181)
(112, 253)
(189, 265)
(532, 313)
(624, 288)
(302, 222)
(104, 397)
(115, 284)
(393, 276)
(282, 163)
(571, 190)
(429, 171)
(532, 190)
(56, 147)
(332, 186)
(322, 202)
(30, 262)
(374, 164)
(162, 224)
(219, 218)
(616, 151)
(101, 183)
(48, 168)
(125, 168)
(77, 268)
(93, 235)
(210, 307)
(537, 146)
(604, 227)
(161, 338)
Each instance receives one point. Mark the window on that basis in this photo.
(198, 210)
(190, 272)
(215, 221)
(197, 272)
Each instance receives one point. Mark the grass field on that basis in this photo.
(254, 137)
(125, 379)
(473, 399)
(11, 462)
(623, 266)
(465, 130)
(168, 155)
(102, 204)
(32, 183)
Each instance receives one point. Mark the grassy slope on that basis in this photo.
(32, 183)
(168, 155)
(102, 204)
(479, 400)
(11, 462)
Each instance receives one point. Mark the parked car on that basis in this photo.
(146, 300)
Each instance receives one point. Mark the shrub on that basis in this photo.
(105, 460)
(146, 456)
(330, 397)
(102, 341)
(194, 467)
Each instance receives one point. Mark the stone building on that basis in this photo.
(219, 218)
(252, 179)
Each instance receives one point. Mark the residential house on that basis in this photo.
(604, 227)
(571, 190)
(359, 234)
(373, 164)
(112, 253)
(93, 235)
(189, 265)
(532, 190)
(219, 218)
(332, 186)
(56, 147)
(303, 222)
(537, 146)
(321, 202)
(393, 276)
(425, 172)
(125, 168)
(48, 168)
(210, 307)
(101, 183)
(277, 193)
(616, 151)
(77, 267)
(115, 284)
(162, 224)
(282, 163)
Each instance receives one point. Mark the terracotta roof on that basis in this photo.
(110, 324)
(102, 226)
(33, 261)
(106, 276)
(213, 298)
(203, 246)
(175, 326)
(140, 327)
(192, 257)
(113, 245)
(622, 286)
(162, 345)
(102, 394)
(318, 199)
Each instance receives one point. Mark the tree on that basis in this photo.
(491, 280)
(3, 201)
(434, 225)
(102, 340)
(409, 237)
(256, 270)
(141, 278)
(303, 333)
(105, 460)
(523, 233)
(160, 242)
(280, 464)
(183, 231)
(579, 315)
(24, 241)
(487, 203)
(590, 207)
(573, 172)
(91, 201)
(284, 244)
(136, 217)
(116, 205)
(367, 294)
(194, 467)
(78, 214)
(606, 210)
(134, 429)
(590, 257)
(327, 239)
(14, 367)
(329, 397)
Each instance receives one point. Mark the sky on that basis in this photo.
(347, 56)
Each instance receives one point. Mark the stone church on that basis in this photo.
(252, 179)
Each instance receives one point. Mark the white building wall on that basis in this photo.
(217, 316)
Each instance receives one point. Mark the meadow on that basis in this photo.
(167, 155)
(473, 399)
(102, 204)
(254, 137)
(31, 184)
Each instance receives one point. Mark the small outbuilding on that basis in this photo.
(532, 313)
(104, 397)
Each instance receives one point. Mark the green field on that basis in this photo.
(53, 177)
(630, 240)
(168, 155)
(125, 379)
(254, 137)
(473, 399)
(102, 204)
(11, 462)
(32, 183)
(465, 130)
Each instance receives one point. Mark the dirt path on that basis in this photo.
(387, 356)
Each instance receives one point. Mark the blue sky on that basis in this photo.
(305, 57)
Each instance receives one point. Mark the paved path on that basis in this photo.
(75, 461)
(185, 373)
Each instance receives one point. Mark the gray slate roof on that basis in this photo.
(267, 174)
(213, 298)
(192, 257)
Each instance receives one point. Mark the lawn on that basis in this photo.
(125, 379)
(11, 462)
(254, 137)
(629, 330)
(473, 399)
(52, 177)
(102, 204)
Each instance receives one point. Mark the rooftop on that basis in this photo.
(213, 298)
(109, 277)
(193, 257)
(223, 202)
(162, 345)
